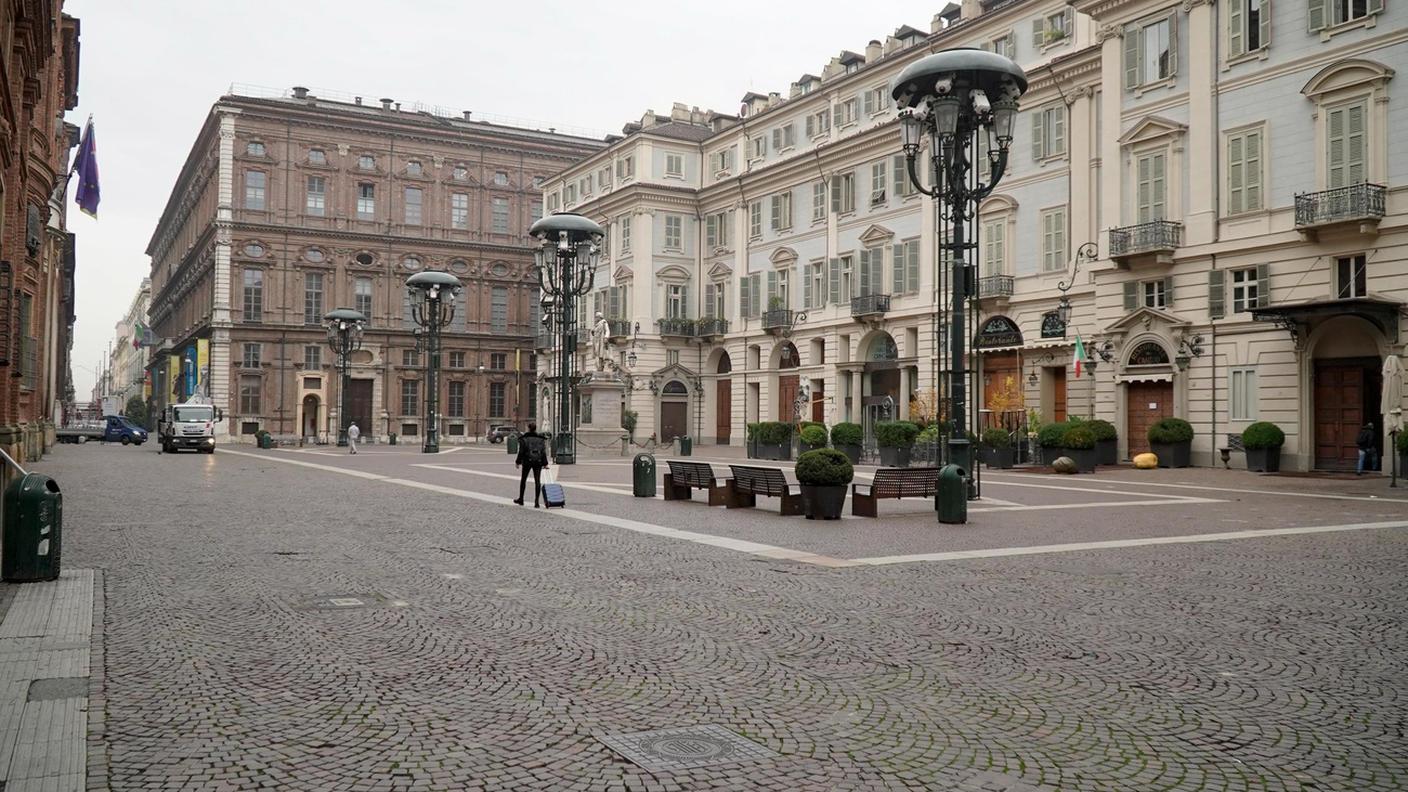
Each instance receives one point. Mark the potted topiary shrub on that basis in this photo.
(998, 451)
(750, 433)
(896, 441)
(1107, 442)
(1171, 440)
(1078, 443)
(847, 438)
(824, 475)
(1051, 437)
(1262, 441)
(774, 440)
(813, 436)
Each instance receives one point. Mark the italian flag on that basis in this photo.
(1079, 355)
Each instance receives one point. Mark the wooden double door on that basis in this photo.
(1346, 397)
(1146, 404)
(359, 405)
(723, 411)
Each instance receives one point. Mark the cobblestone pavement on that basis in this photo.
(494, 645)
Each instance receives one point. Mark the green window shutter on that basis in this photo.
(1058, 131)
(1132, 60)
(835, 194)
(1236, 41)
(777, 139)
(1131, 295)
(1375, 6)
(1315, 15)
(1354, 145)
(899, 176)
(863, 264)
(1038, 32)
(1251, 170)
(1038, 146)
(1263, 286)
(1236, 174)
(1012, 44)
(614, 303)
(745, 295)
(867, 102)
(835, 281)
(811, 128)
(1265, 24)
(912, 265)
(897, 269)
(1157, 188)
(710, 294)
(836, 116)
(807, 287)
(1168, 292)
(1334, 139)
(1173, 43)
(1217, 294)
(1143, 178)
(776, 209)
(772, 289)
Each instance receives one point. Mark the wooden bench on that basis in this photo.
(685, 477)
(896, 483)
(1234, 443)
(749, 482)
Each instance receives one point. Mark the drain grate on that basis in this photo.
(687, 747)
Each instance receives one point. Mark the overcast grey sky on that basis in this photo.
(150, 70)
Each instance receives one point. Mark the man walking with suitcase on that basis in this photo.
(532, 455)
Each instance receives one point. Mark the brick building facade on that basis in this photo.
(289, 207)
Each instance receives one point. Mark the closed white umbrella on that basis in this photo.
(1392, 395)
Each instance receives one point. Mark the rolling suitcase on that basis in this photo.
(553, 494)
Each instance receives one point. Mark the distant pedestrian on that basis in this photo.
(532, 455)
(352, 434)
(1368, 450)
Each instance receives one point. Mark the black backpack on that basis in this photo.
(535, 452)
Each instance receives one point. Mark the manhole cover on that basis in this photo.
(664, 750)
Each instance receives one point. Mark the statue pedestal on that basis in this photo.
(599, 429)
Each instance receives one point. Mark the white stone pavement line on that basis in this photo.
(1099, 505)
(1273, 493)
(46, 634)
(727, 543)
(1000, 552)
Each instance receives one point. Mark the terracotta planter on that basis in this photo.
(1173, 455)
(1107, 452)
(895, 457)
(852, 452)
(823, 503)
(1264, 460)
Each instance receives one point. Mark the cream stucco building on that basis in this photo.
(1232, 170)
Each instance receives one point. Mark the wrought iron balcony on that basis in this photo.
(1158, 237)
(679, 327)
(711, 328)
(870, 305)
(618, 329)
(777, 319)
(1357, 203)
(995, 286)
(545, 339)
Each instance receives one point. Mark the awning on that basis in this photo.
(1146, 376)
(1383, 313)
(1051, 343)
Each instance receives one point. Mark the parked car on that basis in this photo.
(111, 429)
(497, 434)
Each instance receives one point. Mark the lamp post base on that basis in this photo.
(431, 448)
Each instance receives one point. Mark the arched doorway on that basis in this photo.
(881, 391)
(1346, 388)
(674, 411)
(788, 385)
(723, 400)
(1148, 392)
(310, 416)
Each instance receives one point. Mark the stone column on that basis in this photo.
(1202, 129)
(1111, 96)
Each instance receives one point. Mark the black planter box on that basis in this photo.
(1173, 455)
(823, 503)
(852, 452)
(1000, 458)
(1264, 460)
(752, 446)
(895, 457)
(1085, 458)
(1107, 452)
(775, 452)
(805, 447)
(1049, 454)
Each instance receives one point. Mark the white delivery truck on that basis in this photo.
(190, 424)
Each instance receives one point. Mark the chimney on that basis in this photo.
(357, 100)
(873, 51)
(467, 115)
(398, 107)
(299, 92)
(385, 104)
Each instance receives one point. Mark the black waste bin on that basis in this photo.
(34, 518)
(686, 445)
(951, 501)
(393, 438)
(512, 443)
(643, 476)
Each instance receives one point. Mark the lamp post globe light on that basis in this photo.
(566, 258)
(345, 328)
(432, 308)
(951, 98)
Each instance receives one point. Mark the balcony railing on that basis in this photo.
(995, 286)
(870, 305)
(777, 319)
(684, 328)
(711, 328)
(1158, 236)
(618, 329)
(545, 339)
(1355, 203)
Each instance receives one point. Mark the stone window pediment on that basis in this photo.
(876, 235)
(623, 273)
(673, 273)
(1153, 128)
(1347, 75)
(720, 271)
(783, 257)
(1145, 318)
(997, 204)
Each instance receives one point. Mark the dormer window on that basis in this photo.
(414, 168)
(254, 148)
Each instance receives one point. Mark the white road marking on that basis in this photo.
(999, 552)
(1272, 493)
(611, 489)
(1182, 501)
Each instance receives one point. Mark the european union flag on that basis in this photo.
(85, 164)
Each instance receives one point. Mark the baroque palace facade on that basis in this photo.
(1214, 185)
(292, 205)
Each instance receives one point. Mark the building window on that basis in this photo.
(784, 137)
(722, 160)
(499, 215)
(1245, 290)
(362, 296)
(459, 211)
(1150, 51)
(818, 123)
(759, 148)
(312, 357)
(1348, 144)
(585, 185)
(1342, 11)
(250, 386)
(366, 201)
(410, 396)
(750, 295)
(1006, 46)
(1053, 239)
(782, 212)
(1248, 27)
(454, 405)
(498, 361)
(674, 237)
(414, 198)
(366, 162)
(674, 165)
(254, 188)
(496, 399)
(1155, 294)
(818, 201)
(843, 193)
(535, 213)
(905, 267)
(1151, 188)
(498, 309)
(716, 300)
(603, 178)
(676, 306)
(254, 148)
(844, 113)
(410, 358)
(457, 359)
(718, 230)
(501, 178)
(253, 295)
(1244, 172)
(1051, 28)
(626, 234)
(317, 157)
(874, 100)
(414, 168)
(1242, 395)
(460, 173)
(250, 359)
(995, 247)
(1351, 277)
(316, 203)
(755, 219)
(312, 298)
(877, 183)
(1049, 132)
(625, 168)
(532, 400)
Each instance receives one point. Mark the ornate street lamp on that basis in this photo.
(345, 328)
(432, 311)
(566, 257)
(950, 98)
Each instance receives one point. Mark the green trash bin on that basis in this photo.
(643, 476)
(512, 443)
(951, 502)
(393, 438)
(686, 445)
(34, 518)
